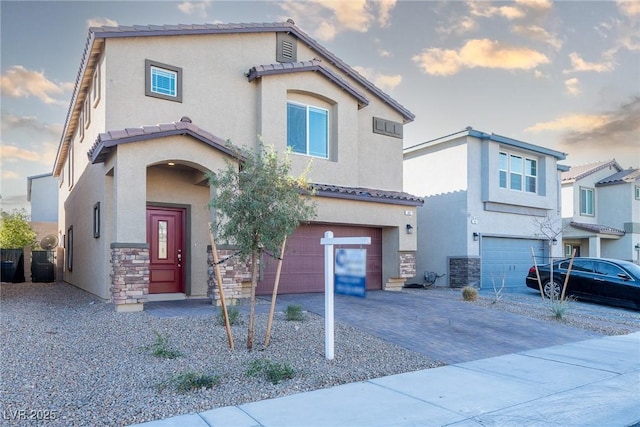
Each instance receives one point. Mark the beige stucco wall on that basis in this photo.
(233, 108)
(218, 98)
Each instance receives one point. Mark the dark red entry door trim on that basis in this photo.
(165, 235)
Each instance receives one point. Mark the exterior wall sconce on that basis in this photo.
(554, 241)
(409, 229)
(638, 246)
(476, 236)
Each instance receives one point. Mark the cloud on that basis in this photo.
(7, 174)
(18, 82)
(458, 25)
(537, 33)
(331, 17)
(478, 53)
(579, 65)
(383, 81)
(30, 123)
(197, 8)
(543, 5)
(540, 75)
(617, 128)
(486, 9)
(629, 7)
(13, 153)
(101, 22)
(573, 86)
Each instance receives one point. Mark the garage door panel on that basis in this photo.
(303, 265)
(508, 259)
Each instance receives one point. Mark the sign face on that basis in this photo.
(351, 272)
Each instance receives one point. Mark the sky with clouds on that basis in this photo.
(564, 75)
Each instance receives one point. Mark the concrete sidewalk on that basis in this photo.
(585, 383)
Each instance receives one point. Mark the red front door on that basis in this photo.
(165, 235)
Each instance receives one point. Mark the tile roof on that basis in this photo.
(97, 36)
(287, 26)
(597, 228)
(314, 65)
(367, 194)
(622, 177)
(106, 142)
(579, 172)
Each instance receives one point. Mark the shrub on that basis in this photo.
(559, 308)
(161, 348)
(469, 293)
(232, 312)
(294, 313)
(271, 371)
(188, 381)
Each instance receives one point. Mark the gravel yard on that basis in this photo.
(68, 356)
(70, 359)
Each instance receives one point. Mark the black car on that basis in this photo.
(604, 280)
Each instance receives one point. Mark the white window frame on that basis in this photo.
(87, 112)
(327, 130)
(637, 191)
(150, 68)
(523, 174)
(95, 92)
(592, 205)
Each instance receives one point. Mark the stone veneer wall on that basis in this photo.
(235, 275)
(130, 275)
(464, 271)
(407, 264)
(407, 270)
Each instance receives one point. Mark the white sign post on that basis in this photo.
(328, 241)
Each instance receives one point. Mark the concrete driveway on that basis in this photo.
(443, 327)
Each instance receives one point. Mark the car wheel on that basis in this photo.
(552, 290)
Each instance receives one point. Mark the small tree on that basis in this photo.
(258, 205)
(550, 229)
(15, 231)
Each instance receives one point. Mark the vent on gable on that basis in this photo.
(286, 48)
(387, 127)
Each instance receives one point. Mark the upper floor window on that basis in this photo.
(308, 129)
(518, 173)
(163, 81)
(587, 201)
(637, 192)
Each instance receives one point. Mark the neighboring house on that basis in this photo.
(151, 113)
(485, 196)
(42, 195)
(601, 210)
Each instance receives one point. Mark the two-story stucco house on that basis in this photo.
(601, 210)
(485, 197)
(151, 113)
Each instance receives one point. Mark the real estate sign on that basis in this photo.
(351, 272)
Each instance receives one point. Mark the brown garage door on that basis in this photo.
(303, 266)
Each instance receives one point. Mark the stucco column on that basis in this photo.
(594, 247)
(131, 201)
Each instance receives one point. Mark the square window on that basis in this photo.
(163, 81)
(308, 130)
